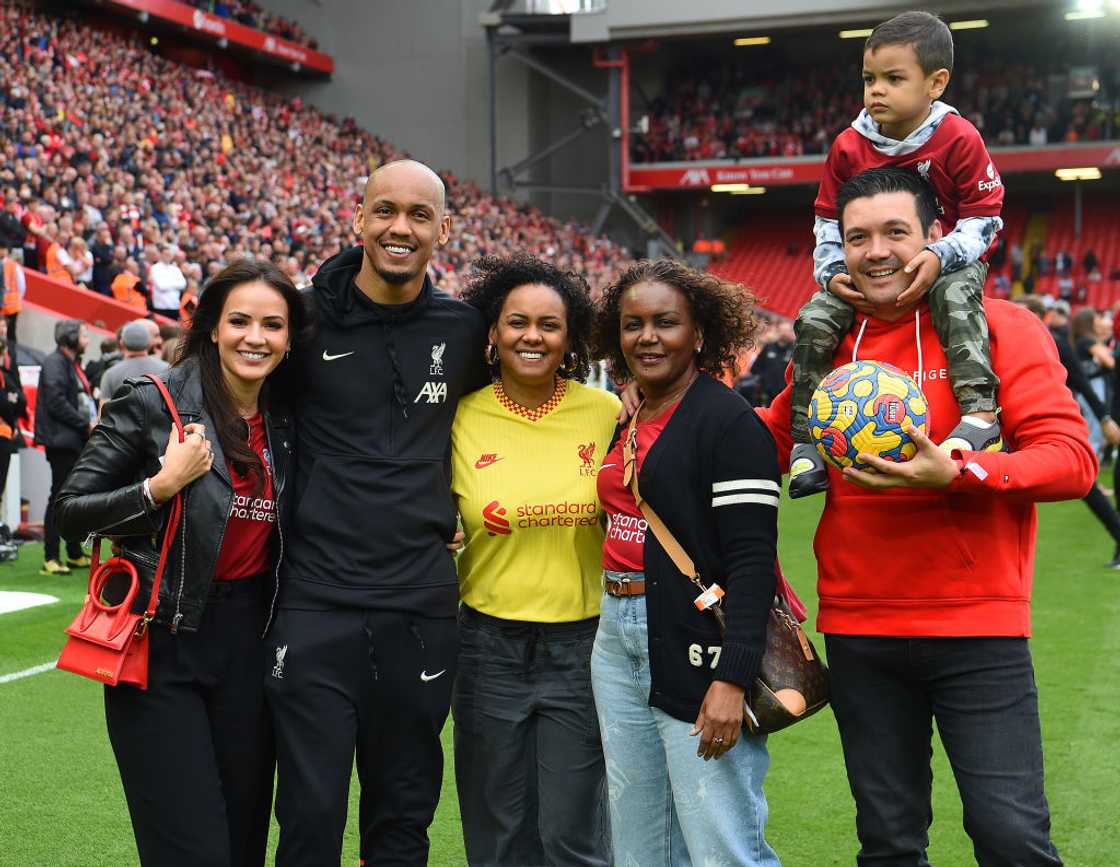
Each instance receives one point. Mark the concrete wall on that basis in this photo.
(415, 73)
(631, 19)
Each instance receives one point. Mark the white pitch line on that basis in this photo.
(27, 672)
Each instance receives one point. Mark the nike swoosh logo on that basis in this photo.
(328, 357)
(482, 463)
(424, 676)
(606, 466)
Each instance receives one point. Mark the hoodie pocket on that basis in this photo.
(894, 549)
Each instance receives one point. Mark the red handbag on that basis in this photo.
(109, 641)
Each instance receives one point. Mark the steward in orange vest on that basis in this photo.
(124, 289)
(12, 287)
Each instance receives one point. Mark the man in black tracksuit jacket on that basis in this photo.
(363, 651)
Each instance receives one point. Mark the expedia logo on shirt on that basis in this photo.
(992, 182)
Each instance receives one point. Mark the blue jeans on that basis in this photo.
(669, 808)
(886, 693)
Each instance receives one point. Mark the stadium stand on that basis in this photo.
(740, 110)
(100, 129)
(252, 15)
(773, 256)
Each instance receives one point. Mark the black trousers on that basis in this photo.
(195, 751)
(1099, 504)
(11, 326)
(885, 694)
(61, 462)
(371, 682)
(528, 756)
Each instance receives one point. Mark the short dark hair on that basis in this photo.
(495, 277)
(724, 312)
(888, 179)
(930, 37)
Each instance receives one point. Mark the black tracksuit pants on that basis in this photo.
(195, 750)
(371, 682)
(61, 463)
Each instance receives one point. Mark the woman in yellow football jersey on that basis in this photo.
(525, 454)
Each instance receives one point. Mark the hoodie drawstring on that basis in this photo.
(859, 337)
(398, 381)
(921, 361)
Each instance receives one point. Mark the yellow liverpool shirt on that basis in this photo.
(525, 490)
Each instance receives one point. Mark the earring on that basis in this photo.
(491, 354)
(571, 363)
(287, 353)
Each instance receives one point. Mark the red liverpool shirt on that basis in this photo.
(252, 517)
(954, 161)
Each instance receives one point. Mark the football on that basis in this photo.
(865, 407)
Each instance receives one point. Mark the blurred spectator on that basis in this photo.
(13, 408)
(135, 344)
(1089, 261)
(252, 15)
(110, 355)
(771, 363)
(167, 283)
(13, 286)
(64, 415)
(102, 251)
(740, 110)
(96, 128)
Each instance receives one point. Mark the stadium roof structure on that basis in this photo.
(224, 33)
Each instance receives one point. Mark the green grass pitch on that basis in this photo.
(61, 803)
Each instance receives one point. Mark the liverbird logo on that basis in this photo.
(437, 359)
(278, 669)
(587, 456)
(923, 168)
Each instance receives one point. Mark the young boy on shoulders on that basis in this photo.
(907, 62)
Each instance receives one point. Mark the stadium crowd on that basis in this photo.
(252, 15)
(116, 160)
(738, 111)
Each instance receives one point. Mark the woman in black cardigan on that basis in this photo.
(668, 690)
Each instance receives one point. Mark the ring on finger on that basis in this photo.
(717, 740)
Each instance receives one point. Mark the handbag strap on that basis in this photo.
(668, 541)
(174, 514)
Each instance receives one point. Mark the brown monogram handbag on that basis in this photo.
(792, 683)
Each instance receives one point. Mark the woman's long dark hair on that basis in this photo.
(229, 428)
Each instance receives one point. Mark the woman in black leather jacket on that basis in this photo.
(195, 750)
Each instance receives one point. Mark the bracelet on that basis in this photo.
(146, 492)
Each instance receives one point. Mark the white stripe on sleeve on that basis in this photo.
(764, 499)
(745, 484)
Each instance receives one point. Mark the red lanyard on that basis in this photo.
(82, 377)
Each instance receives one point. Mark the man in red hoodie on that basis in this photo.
(925, 568)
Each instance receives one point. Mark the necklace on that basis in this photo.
(670, 400)
(541, 411)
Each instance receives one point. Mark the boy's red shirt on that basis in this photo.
(960, 561)
(954, 161)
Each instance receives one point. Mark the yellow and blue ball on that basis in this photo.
(865, 407)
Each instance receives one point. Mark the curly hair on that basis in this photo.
(494, 277)
(723, 311)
